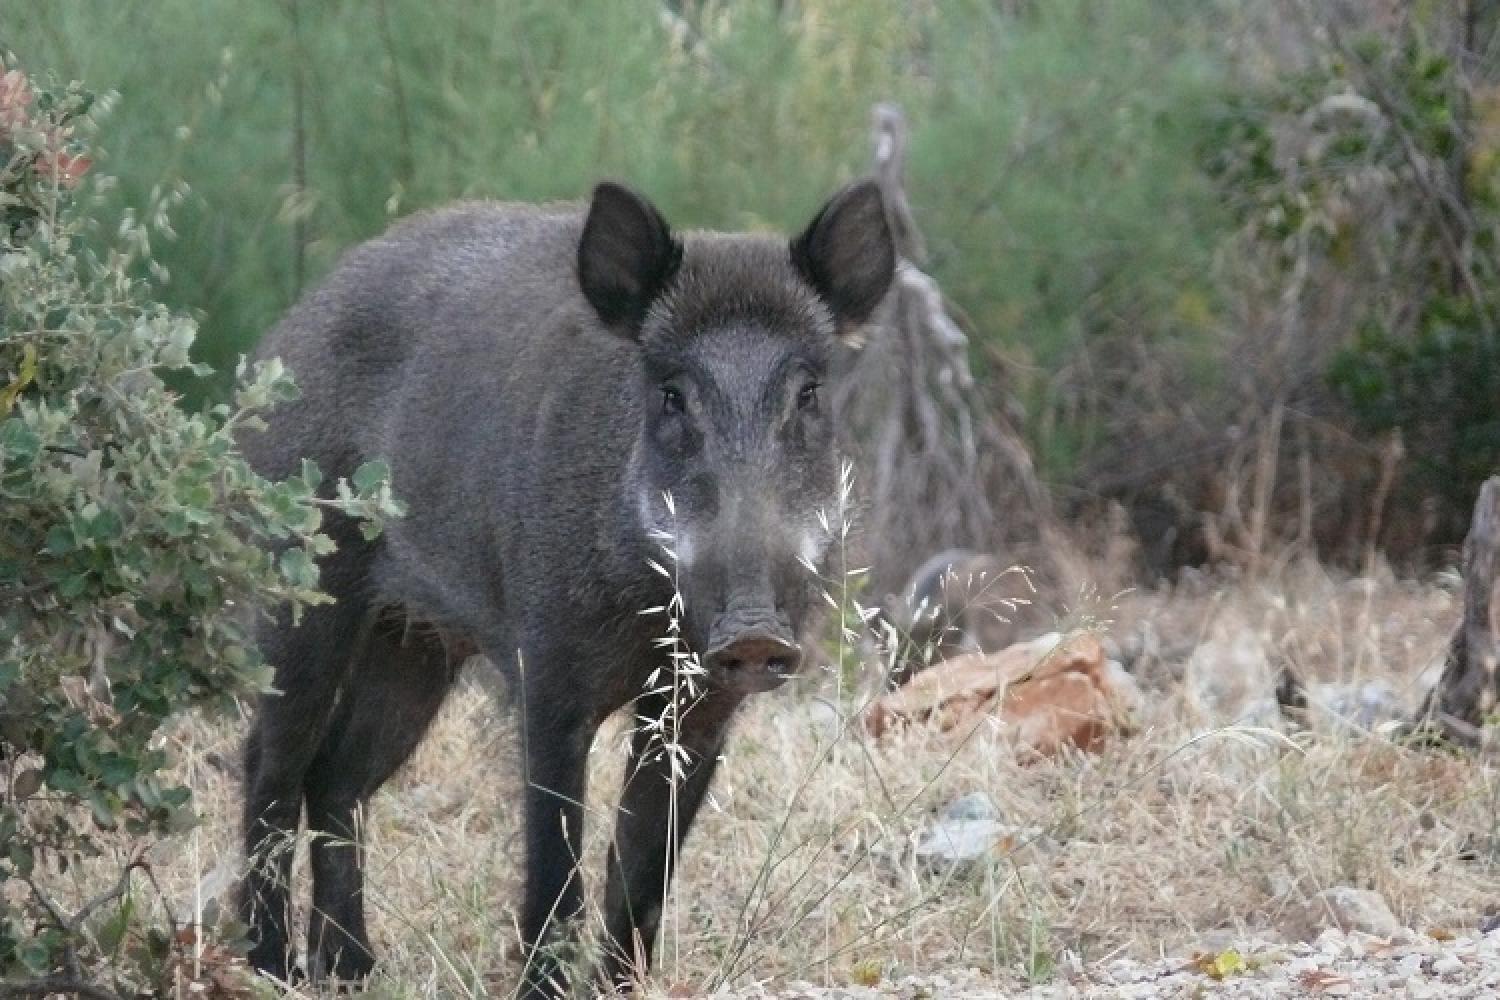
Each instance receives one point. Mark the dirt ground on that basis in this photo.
(1184, 861)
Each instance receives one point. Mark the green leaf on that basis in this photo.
(22, 858)
(311, 474)
(35, 956)
(72, 585)
(371, 475)
(298, 568)
(103, 810)
(18, 441)
(112, 931)
(60, 539)
(106, 527)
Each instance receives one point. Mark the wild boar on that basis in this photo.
(558, 393)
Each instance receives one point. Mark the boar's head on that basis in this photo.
(736, 456)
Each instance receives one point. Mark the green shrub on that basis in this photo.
(134, 541)
(1438, 384)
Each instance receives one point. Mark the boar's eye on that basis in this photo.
(671, 400)
(807, 398)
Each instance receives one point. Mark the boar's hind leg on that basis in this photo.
(394, 692)
(311, 661)
(657, 806)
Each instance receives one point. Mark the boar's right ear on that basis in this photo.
(847, 254)
(625, 258)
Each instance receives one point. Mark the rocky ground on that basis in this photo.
(1351, 946)
(1336, 964)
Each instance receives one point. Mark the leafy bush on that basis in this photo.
(134, 541)
(1437, 384)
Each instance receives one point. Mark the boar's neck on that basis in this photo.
(627, 547)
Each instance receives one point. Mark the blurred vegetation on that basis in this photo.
(1051, 162)
(1365, 181)
(1095, 179)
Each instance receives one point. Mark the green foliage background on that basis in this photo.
(1195, 239)
(1051, 164)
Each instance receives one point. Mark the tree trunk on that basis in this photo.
(1470, 685)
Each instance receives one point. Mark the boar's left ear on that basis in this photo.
(847, 253)
(626, 256)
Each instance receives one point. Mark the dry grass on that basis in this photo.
(1202, 829)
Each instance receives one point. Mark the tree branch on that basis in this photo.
(299, 148)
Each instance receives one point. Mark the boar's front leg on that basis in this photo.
(662, 792)
(557, 728)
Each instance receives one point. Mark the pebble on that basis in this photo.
(975, 805)
(1448, 965)
(969, 833)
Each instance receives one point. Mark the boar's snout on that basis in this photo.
(752, 650)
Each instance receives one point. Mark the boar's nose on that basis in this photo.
(757, 653)
(753, 643)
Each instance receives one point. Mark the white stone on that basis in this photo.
(1351, 909)
(974, 806)
(1448, 965)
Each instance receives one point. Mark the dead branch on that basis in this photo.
(1452, 217)
(890, 169)
(299, 147)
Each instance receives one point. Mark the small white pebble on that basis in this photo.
(1410, 965)
(1448, 965)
